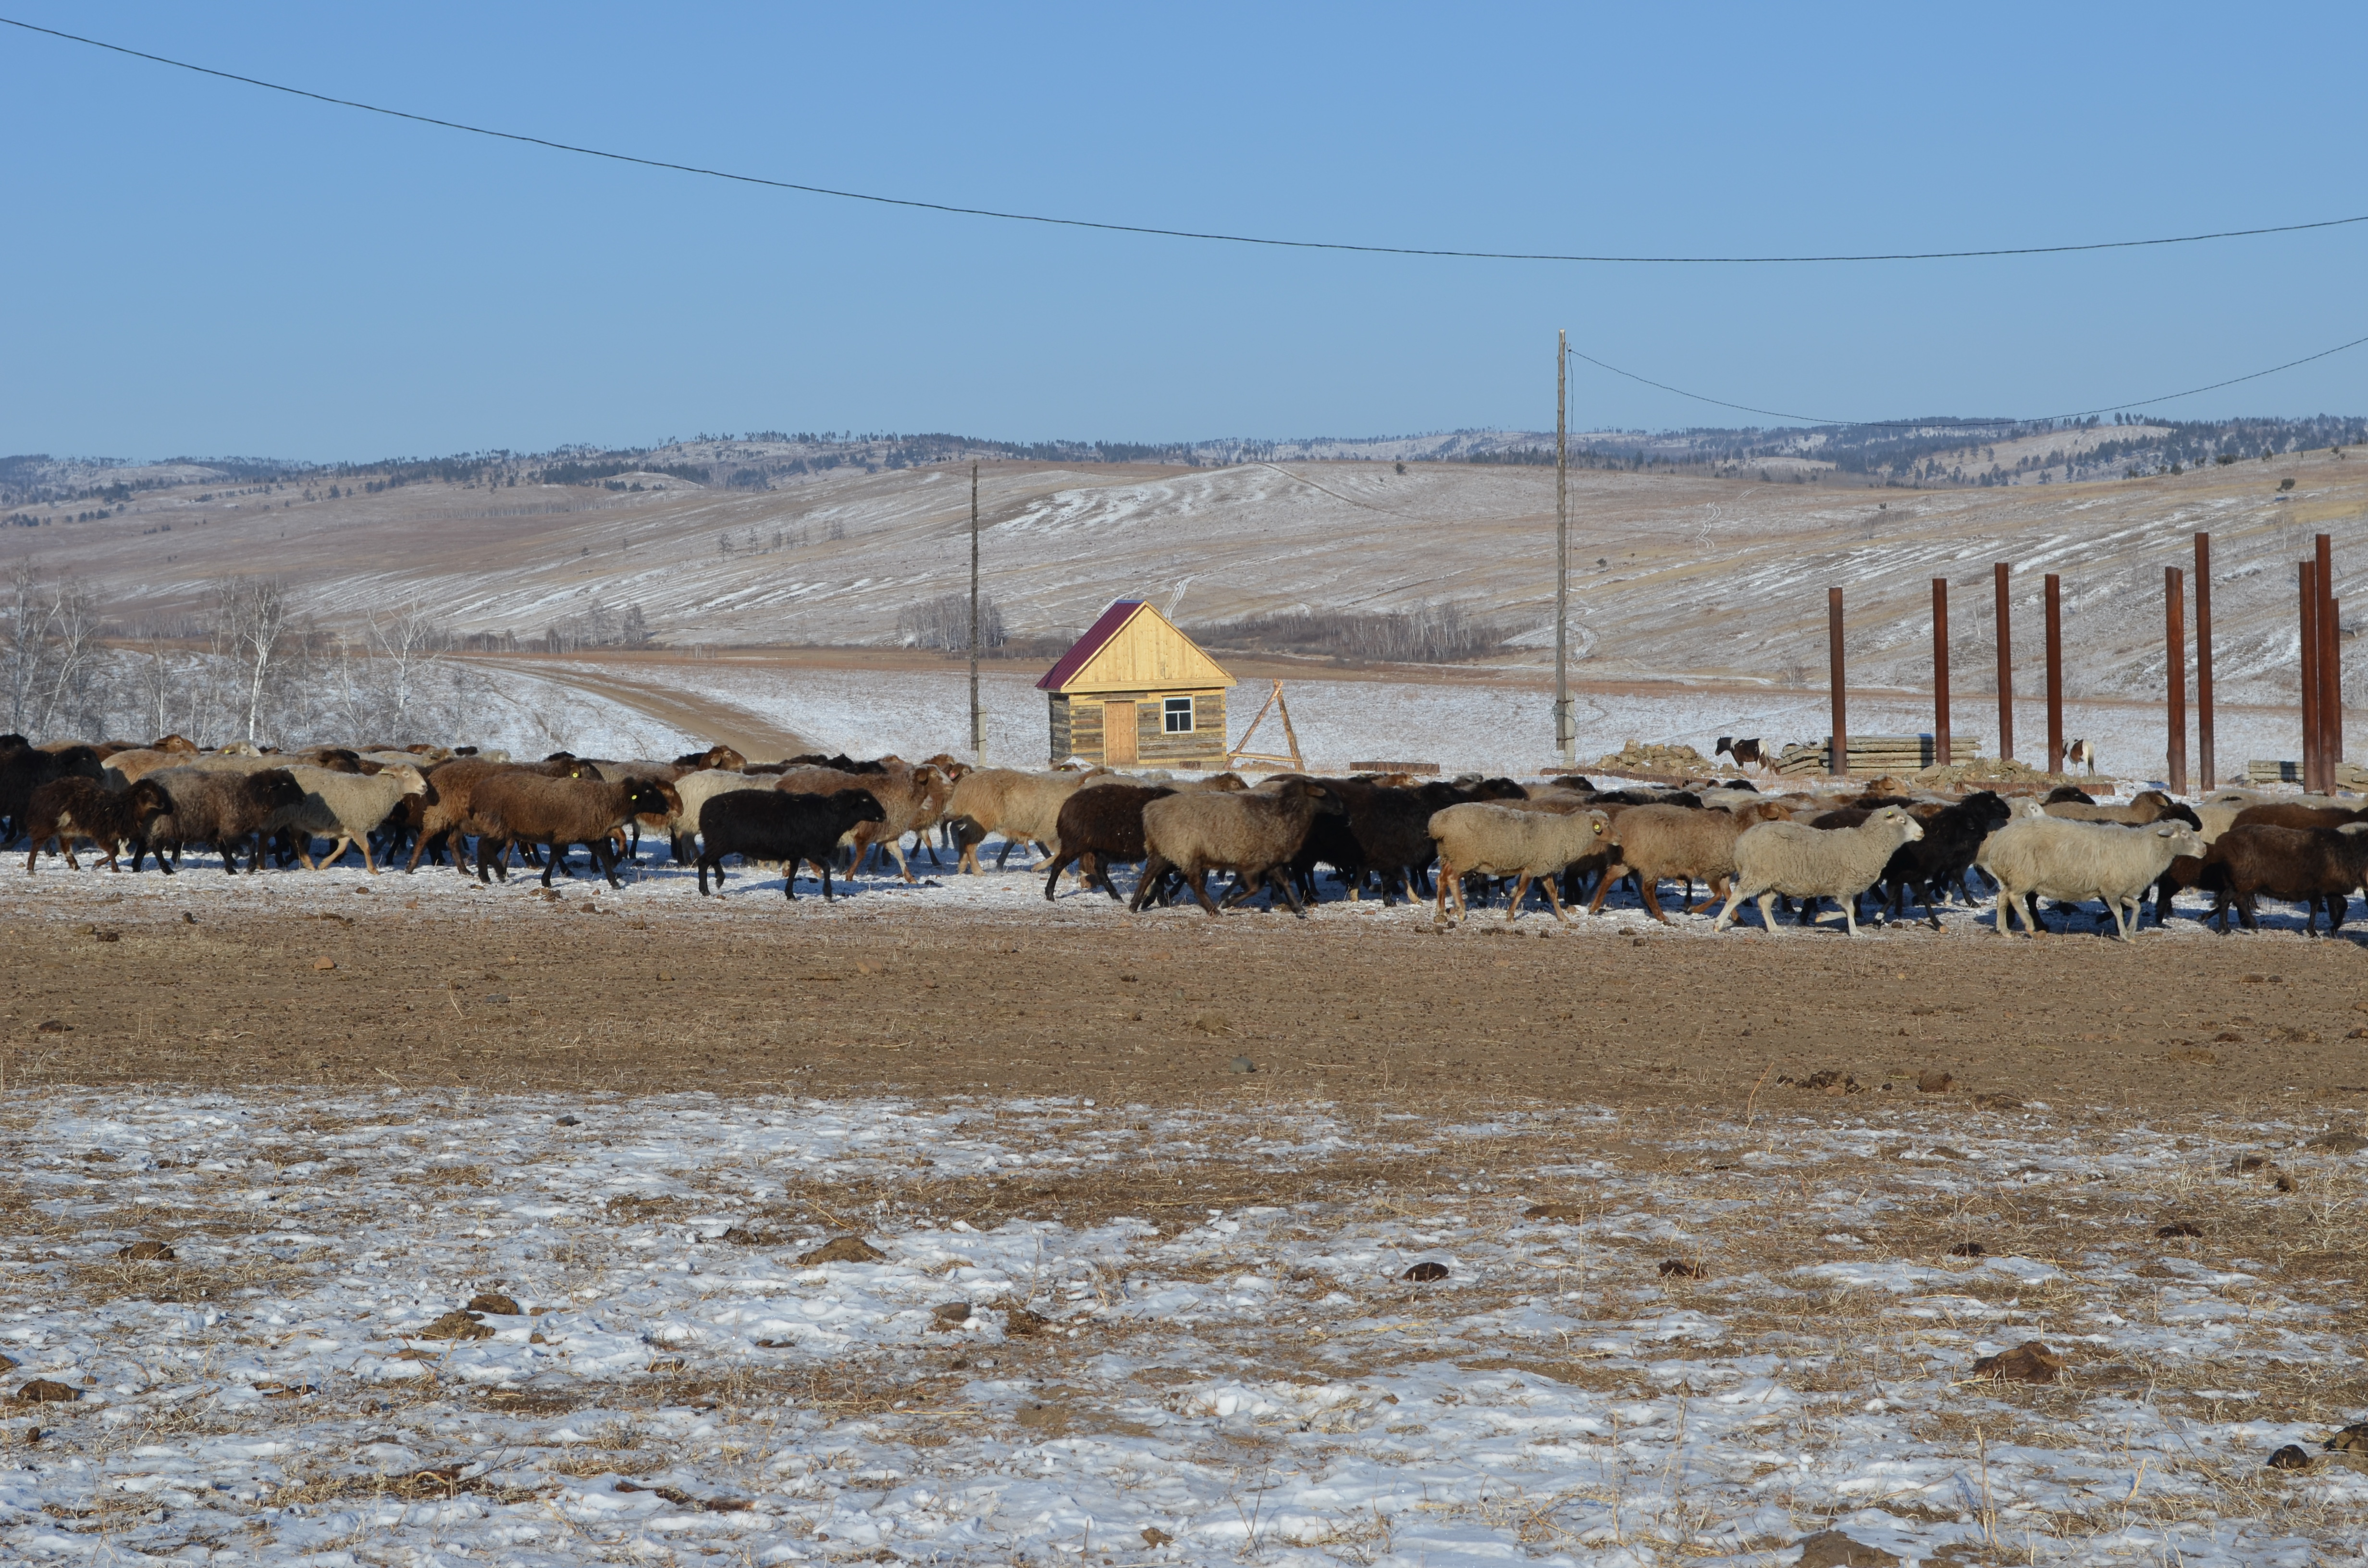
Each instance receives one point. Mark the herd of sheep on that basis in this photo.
(1437, 841)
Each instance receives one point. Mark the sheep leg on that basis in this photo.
(604, 856)
(369, 864)
(1850, 912)
(1767, 912)
(2247, 911)
(1553, 900)
(1718, 884)
(1155, 868)
(702, 876)
(1604, 887)
(1649, 889)
(1053, 879)
(1521, 891)
(1197, 879)
(1733, 899)
(1279, 876)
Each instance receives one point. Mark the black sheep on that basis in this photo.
(770, 824)
(25, 768)
(1393, 828)
(68, 808)
(1952, 837)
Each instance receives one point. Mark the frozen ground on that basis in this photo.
(1094, 1333)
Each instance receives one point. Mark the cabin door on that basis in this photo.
(1118, 734)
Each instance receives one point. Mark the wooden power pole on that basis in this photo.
(1941, 671)
(1566, 731)
(2204, 767)
(2309, 574)
(1838, 763)
(977, 719)
(2330, 653)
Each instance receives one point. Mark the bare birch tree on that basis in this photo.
(255, 629)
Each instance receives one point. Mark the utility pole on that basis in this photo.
(2055, 673)
(1837, 756)
(2309, 672)
(2330, 682)
(1565, 733)
(977, 720)
(1941, 747)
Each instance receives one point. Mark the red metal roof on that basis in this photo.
(1086, 647)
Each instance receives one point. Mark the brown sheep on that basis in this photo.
(1099, 826)
(515, 807)
(1252, 833)
(2300, 865)
(225, 809)
(68, 808)
(2146, 806)
(444, 811)
(1655, 842)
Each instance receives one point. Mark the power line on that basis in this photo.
(1961, 424)
(954, 210)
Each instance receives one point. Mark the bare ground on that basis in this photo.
(1155, 1010)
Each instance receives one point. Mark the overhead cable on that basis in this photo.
(954, 210)
(1961, 424)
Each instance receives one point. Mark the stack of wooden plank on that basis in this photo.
(1873, 755)
(1394, 768)
(2259, 771)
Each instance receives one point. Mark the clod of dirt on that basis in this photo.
(1241, 1064)
(2338, 1140)
(2290, 1456)
(1681, 1269)
(2029, 1362)
(1999, 1102)
(1831, 1549)
(325, 963)
(1969, 1249)
(145, 1252)
(1932, 1081)
(101, 1154)
(454, 1325)
(2352, 1439)
(103, 935)
(2227, 1037)
(494, 1303)
(1827, 1081)
(1212, 1023)
(842, 1249)
(1426, 1273)
(2245, 1164)
(1553, 1211)
(567, 1121)
(739, 1236)
(1020, 1322)
(952, 1314)
(47, 1391)
(2177, 1229)
(53, 1025)
(187, 918)
(1051, 1419)
(1153, 1536)
(2260, 979)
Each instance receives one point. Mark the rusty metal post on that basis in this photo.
(1941, 671)
(2206, 769)
(2330, 694)
(2055, 673)
(2308, 572)
(2174, 624)
(1838, 763)
(2006, 666)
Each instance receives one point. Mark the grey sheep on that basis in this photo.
(1252, 833)
(224, 810)
(345, 808)
(2053, 858)
(1511, 841)
(1801, 861)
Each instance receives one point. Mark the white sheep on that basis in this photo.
(346, 807)
(1801, 861)
(1511, 841)
(2058, 858)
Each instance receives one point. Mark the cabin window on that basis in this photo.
(1175, 715)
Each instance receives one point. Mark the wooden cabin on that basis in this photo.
(1135, 691)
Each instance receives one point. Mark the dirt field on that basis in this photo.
(532, 994)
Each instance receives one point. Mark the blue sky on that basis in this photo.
(196, 266)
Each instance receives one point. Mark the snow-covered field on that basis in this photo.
(1501, 725)
(1096, 1334)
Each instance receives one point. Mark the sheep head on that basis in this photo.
(414, 781)
(276, 790)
